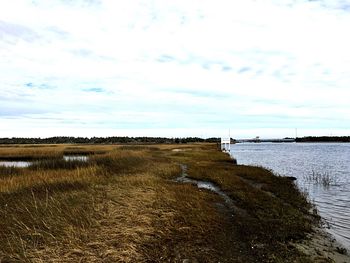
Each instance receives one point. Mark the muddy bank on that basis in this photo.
(322, 247)
(273, 216)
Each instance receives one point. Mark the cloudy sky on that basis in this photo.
(174, 68)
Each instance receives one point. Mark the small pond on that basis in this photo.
(20, 164)
(24, 164)
(82, 158)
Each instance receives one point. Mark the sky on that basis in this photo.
(268, 68)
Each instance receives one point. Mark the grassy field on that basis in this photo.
(123, 205)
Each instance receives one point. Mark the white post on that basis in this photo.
(229, 140)
(225, 144)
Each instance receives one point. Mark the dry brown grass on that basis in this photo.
(30, 152)
(124, 206)
(33, 152)
(30, 178)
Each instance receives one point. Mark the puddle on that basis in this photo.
(81, 158)
(19, 164)
(204, 185)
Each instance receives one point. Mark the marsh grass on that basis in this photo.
(54, 201)
(275, 212)
(138, 148)
(325, 179)
(38, 216)
(29, 153)
(58, 163)
(124, 206)
(7, 171)
(120, 161)
(36, 152)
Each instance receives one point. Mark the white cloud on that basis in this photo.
(111, 67)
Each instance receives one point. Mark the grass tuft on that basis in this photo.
(325, 179)
(10, 171)
(55, 164)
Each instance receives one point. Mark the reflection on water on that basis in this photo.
(301, 160)
(82, 158)
(20, 164)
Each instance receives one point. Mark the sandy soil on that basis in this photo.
(322, 247)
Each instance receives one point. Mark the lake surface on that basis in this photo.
(304, 161)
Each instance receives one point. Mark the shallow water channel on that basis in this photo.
(24, 164)
(183, 178)
(305, 161)
(82, 158)
(20, 164)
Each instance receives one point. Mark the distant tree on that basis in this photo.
(324, 139)
(104, 140)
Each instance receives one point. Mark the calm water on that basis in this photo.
(301, 160)
(82, 158)
(20, 164)
(24, 164)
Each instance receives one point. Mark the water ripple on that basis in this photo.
(302, 160)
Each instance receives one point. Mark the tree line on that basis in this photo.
(105, 140)
(324, 139)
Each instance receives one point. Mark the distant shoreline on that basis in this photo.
(162, 140)
(324, 139)
(311, 139)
